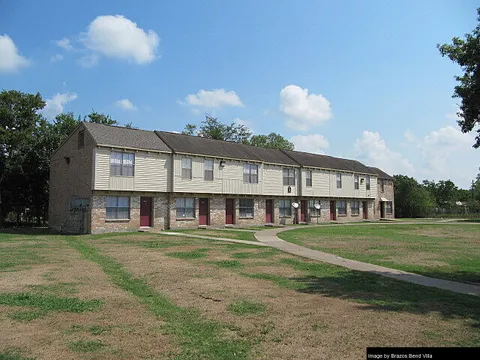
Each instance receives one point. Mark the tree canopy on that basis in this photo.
(212, 128)
(466, 53)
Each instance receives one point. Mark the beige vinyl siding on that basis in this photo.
(233, 179)
(272, 180)
(320, 183)
(150, 172)
(197, 183)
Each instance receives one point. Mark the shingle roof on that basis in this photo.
(328, 162)
(381, 174)
(125, 137)
(197, 145)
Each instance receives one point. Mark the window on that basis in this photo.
(81, 139)
(341, 207)
(312, 209)
(382, 185)
(368, 182)
(289, 177)
(388, 207)
(355, 181)
(118, 207)
(121, 163)
(185, 208)
(339, 181)
(245, 208)
(308, 178)
(285, 208)
(250, 173)
(355, 207)
(186, 168)
(208, 170)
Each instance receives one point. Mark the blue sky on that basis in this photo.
(357, 79)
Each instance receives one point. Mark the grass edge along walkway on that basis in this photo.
(199, 338)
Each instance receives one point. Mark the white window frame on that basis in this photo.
(186, 168)
(120, 163)
(339, 180)
(308, 178)
(387, 210)
(356, 184)
(288, 177)
(312, 209)
(250, 173)
(355, 207)
(112, 206)
(367, 182)
(208, 170)
(183, 209)
(246, 208)
(338, 207)
(285, 208)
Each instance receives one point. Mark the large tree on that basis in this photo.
(466, 53)
(411, 198)
(272, 141)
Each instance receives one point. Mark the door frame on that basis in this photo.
(227, 200)
(303, 210)
(207, 208)
(333, 214)
(365, 209)
(269, 205)
(150, 217)
(382, 209)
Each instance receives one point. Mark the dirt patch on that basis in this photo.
(417, 258)
(452, 232)
(134, 331)
(295, 325)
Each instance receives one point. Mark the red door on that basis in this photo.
(333, 211)
(269, 211)
(229, 205)
(303, 210)
(203, 218)
(365, 210)
(145, 211)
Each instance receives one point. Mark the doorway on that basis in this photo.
(269, 211)
(382, 209)
(229, 211)
(203, 212)
(333, 210)
(145, 211)
(365, 209)
(303, 210)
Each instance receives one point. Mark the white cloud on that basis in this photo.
(56, 58)
(213, 99)
(88, 61)
(246, 123)
(118, 37)
(64, 43)
(314, 143)
(372, 150)
(55, 105)
(126, 104)
(10, 58)
(303, 110)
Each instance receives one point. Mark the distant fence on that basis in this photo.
(455, 211)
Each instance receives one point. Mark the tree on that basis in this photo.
(466, 53)
(411, 198)
(272, 141)
(213, 129)
(98, 118)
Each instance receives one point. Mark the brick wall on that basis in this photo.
(388, 193)
(70, 177)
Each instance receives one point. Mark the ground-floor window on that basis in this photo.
(313, 211)
(285, 207)
(245, 208)
(185, 208)
(355, 207)
(341, 207)
(388, 207)
(117, 207)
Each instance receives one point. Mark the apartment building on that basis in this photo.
(108, 178)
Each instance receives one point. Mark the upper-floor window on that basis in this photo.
(367, 181)
(355, 207)
(186, 168)
(250, 173)
(117, 207)
(341, 207)
(245, 208)
(339, 180)
(208, 170)
(81, 139)
(308, 178)
(355, 181)
(285, 207)
(122, 163)
(289, 177)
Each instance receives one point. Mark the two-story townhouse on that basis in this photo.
(384, 202)
(223, 183)
(334, 189)
(108, 178)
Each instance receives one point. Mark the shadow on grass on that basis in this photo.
(384, 294)
(34, 231)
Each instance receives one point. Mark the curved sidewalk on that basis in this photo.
(269, 237)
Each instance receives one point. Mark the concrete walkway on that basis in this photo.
(269, 237)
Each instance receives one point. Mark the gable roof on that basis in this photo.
(328, 162)
(110, 135)
(188, 144)
(381, 174)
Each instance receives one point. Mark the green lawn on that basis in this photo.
(230, 234)
(450, 251)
